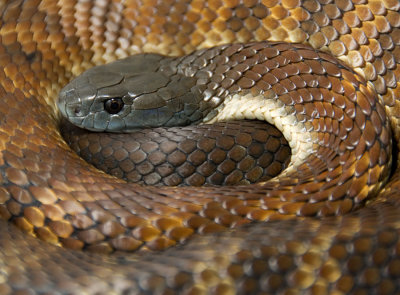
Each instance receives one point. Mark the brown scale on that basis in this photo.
(51, 193)
(228, 154)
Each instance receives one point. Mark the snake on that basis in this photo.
(230, 153)
(328, 224)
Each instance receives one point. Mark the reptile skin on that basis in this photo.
(293, 245)
(228, 153)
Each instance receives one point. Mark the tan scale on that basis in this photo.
(44, 44)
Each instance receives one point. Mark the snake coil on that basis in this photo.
(294, 244)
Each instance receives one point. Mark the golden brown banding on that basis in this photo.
(43, 45)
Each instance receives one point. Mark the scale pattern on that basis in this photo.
(49, 192)
(231, 153)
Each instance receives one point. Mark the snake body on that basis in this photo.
(329, 224)
(229, 153)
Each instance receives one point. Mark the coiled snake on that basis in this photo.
(295, 244)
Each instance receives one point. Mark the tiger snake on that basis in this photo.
(304, 236)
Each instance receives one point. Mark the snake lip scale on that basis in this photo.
(328, 79)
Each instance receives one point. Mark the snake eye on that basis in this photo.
(113, 105)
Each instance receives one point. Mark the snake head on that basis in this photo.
(139, 91)
(80, 103)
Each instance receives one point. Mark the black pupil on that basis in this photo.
(113, 105)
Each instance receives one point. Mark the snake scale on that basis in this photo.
(288, 236)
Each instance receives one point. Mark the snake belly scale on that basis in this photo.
(328, 224)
